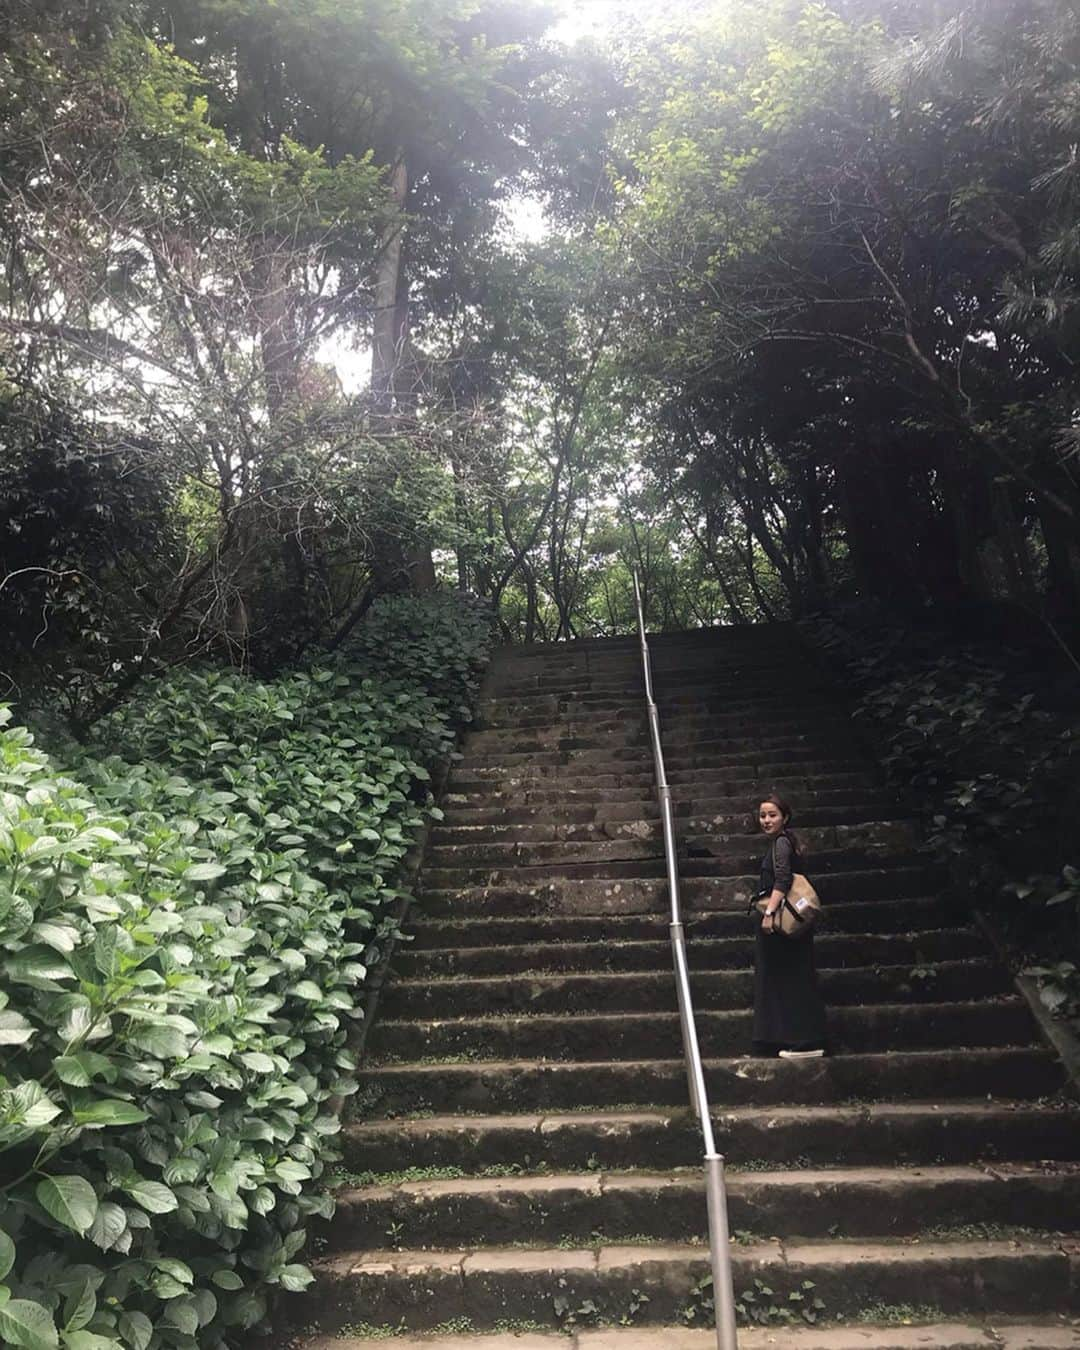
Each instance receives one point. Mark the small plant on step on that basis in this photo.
(585, 1314)
(806, 1304)
(1059, 981)
(700, 1308)
(638, 1301)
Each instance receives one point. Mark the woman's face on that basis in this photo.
(770, 819)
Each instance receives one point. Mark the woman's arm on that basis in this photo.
(783, 874)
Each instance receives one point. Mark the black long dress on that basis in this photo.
(789, 1013)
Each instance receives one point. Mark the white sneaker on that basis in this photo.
(801, 1054)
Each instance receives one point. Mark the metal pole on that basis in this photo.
(715, 1189)
(720, 1253)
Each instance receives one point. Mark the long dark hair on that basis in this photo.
(774, 799)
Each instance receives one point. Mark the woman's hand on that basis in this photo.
(770, 922)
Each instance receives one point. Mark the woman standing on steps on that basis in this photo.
(789, 1014)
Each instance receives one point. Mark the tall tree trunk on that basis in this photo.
(1063, 564)
(387, 339)
(397, 565)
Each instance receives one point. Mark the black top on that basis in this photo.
(778, 865)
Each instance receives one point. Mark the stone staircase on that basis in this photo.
(524, 1163)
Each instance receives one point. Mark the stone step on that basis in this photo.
(731, 875)
(491, 1285)
(703, 694)
(678, 726)
(867, 1335)
(750, 672)
(630, 840)
(626, 787)
(698, 698)
(599, 714)
(464, 919)
(642, 991)
(615, 788)
(833, 806)
(454, 893)
(1014, 1072)
(624, 739)
(610, 819)
(655, 1035)
(635, 761)
(920, 950)
(873, 1134)
(573, 1209)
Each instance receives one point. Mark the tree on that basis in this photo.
(823, 236)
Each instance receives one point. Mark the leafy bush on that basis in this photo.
(186, 926)
(975, 735)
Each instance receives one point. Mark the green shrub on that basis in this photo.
(975, 734)
(186, 927)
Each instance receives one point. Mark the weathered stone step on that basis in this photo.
(831, 949)
(628, 840)
(679, 726)
(833, 806)
(655, 1035)
(625, 739)
(455, 894)
(614, 788)
(694, 785)
(628, 691)
(489, 1286)
(867, 1335)
(642, 991)
(748, 671)
(872, 1135)
(703, 696)
(863, 1202)
(644, 863)
(717, 714)
(1014, 1072)
(529, 765)
(710, 694)
(468, 922)
(611, 819)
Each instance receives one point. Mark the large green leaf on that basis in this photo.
(110, 1222)
(90, 1340)
(14, 1028)
(28, 1325)
(7, 1254)
(107, 1111)
(162, 1042)
(70, 1200)
(80, 1069)
(154, 1197)
(39, 967)
(204, 872)
(296, 1277)
(137, 1329)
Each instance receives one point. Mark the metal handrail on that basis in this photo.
(715, 1188)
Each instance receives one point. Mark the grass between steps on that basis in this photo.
(457, 1326)
(344, 1179)
(758, 1306)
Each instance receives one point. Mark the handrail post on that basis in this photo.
(715, 1187)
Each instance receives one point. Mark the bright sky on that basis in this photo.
(594, 18)
(524, 215)
(586, 18)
